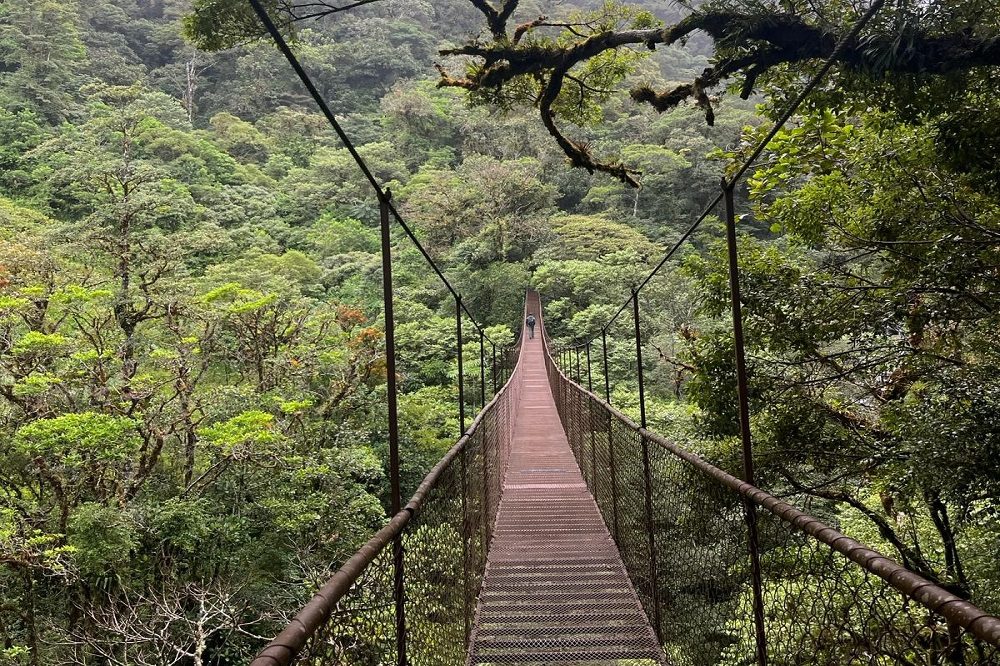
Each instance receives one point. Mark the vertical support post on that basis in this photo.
(590, 375)
(638, 358)
(647, 471)
(485, 446)
(611, 439)
(493, 374)
(568, 398)
(567, 369)
(562, 389)
(395, 501)
(604, 354)
(744, 416)
(466, 615)
(578, 416)
(590, 427)
(461, 368)
(482, 370)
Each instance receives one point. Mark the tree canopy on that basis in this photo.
(566, 66)
(192, 371)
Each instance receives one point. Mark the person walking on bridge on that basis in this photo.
(530, 321)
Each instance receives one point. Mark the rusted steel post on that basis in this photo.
(485, 509)
(482, 370)
(638, 358)
(392, 404)
(493, 375)
(568, 397)
(744, 416)
(578, 410)
(485, 446)
(611, 438)
(590, 427)
(590, 375)
(647, 471)
(466, 615)
(604, 354)
(562, 385)
(461, 368)
(567, 377)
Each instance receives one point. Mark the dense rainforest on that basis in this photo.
(192, 371)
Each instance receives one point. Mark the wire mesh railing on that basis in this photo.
(408, 594)
(680, 524)
(444, 531)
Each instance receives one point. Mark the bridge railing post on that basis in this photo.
(463, 460)
(484, 449)
(392, 405)
(611, 438)
(568, 396)
(591, 428)
(647, 470)
(577, 409)
(461, 366)
(742, 390)
(482, 369)
(493, 374)
(562, 387)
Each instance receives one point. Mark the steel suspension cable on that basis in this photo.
(383, 195)
(805, 92)
(756, 153)
(673, 250)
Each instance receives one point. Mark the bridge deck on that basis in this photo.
(555, 589)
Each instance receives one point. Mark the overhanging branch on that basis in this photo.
(578, 153)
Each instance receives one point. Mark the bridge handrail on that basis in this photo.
(931, 596)
(284, 647)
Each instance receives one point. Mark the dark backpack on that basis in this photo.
(531, 320)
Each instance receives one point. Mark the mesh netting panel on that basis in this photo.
(683, 536)
(362, 627)
(447, 541)
(444, 549)
(822, 608)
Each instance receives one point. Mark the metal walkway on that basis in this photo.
(555, 589)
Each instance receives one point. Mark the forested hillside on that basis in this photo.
(192, 372)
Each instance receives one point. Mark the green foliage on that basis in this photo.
(333, 236)
(34, 343)
(78, 439)
(596, 238)
(191, 365)
(181, 525)
(243, 435)
(221, 24)
(42, 49)
(103, 539)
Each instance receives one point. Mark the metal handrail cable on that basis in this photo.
(931, 596)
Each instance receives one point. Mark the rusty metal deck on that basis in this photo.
(555, 589)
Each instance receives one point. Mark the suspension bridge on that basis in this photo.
(559, 530)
